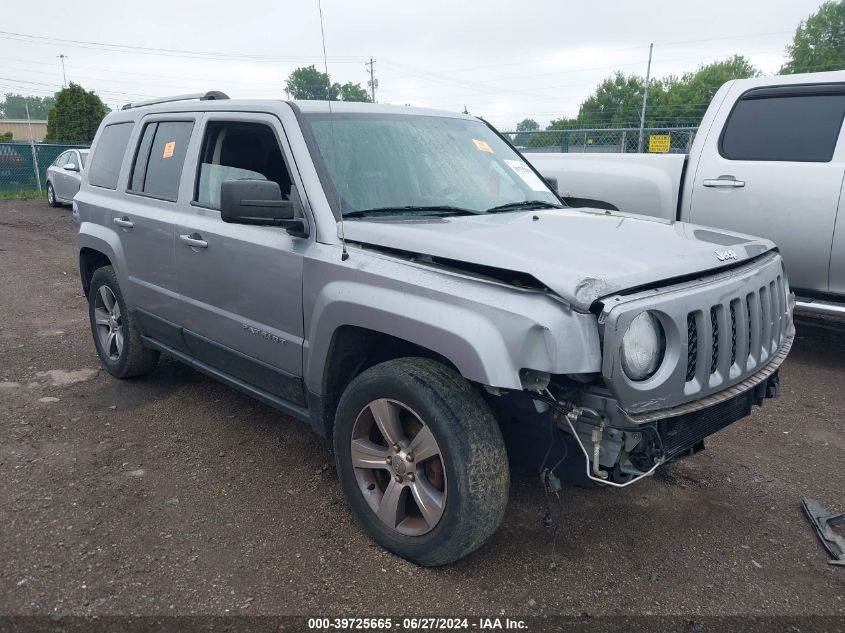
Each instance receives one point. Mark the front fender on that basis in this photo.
(488, 331)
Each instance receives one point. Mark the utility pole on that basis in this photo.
(64, 76)
(645, 97)
(373, 82)
(32, 148)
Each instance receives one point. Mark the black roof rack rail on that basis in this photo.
(211, 95)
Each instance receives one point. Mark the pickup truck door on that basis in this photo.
(241, 286)
(772, 165)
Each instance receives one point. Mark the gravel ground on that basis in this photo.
(174, 494)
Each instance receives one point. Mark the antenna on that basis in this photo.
(344, 253)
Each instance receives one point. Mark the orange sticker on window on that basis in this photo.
(483, 146)
(168, 149)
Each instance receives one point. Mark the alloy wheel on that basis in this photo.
(399, 467)
(109, 323)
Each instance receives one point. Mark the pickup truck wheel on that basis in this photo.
(421, 460)
(51, 195)
(117, 340)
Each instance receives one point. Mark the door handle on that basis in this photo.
(124, 222)
(193, 240)
(724, 181)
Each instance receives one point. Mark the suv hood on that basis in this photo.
(582, 255)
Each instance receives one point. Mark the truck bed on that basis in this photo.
(648, 184)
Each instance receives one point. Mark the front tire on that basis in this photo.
(51, 195)
(421, 460)
(116, 338)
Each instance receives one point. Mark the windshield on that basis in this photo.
(418, 164)
(84, 157)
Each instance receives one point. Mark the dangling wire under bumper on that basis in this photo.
(572, 415)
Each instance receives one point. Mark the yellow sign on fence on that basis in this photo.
(659, 143)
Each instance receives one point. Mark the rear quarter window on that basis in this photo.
(792, 127)
(108, 157)
(161, 155)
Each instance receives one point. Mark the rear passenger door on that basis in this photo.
(146, 220)
(776, 170)
(242, 285)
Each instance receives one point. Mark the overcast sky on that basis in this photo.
(502, 60)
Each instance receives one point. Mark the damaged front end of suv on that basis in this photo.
(679, 363)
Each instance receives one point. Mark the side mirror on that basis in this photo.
(259, 203)
(552, 182)
(70, 167)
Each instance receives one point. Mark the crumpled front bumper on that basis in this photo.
(629, 446)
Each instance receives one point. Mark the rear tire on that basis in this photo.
(51, 196)
(443, 502)
(116, 338)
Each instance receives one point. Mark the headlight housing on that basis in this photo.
(643, 347)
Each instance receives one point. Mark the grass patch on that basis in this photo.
(22, 194)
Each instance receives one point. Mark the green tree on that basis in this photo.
(526, 125)
(353, 92)
(684, 100)
(617, 102)
(819, 42)
(76, 115)
(309, 83)
(6, 137)
(14, 106)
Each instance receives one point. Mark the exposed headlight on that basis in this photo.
(642, 347)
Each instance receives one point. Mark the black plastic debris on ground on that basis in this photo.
(824, 523)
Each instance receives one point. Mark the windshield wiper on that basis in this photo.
(437, 208)
(525, 204)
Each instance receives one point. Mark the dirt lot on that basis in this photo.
(174, 494)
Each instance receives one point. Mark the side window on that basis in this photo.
(70, 157)
(106, 161)
(235, 151)
(797, 127)
(160, 158)
(61, 160)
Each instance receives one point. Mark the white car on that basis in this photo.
(64, 176)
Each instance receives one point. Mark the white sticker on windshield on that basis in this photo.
(528, 177)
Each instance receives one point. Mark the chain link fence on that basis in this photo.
(23, 166)
(675, 140)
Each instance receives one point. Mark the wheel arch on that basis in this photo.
(97, 247)
(352, 350)
(89, 261)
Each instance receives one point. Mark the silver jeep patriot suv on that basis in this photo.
(404, 282)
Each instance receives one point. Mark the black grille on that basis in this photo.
(714, 325)
(748, 310)
(681, 433)
(733, 333)
(692, 346)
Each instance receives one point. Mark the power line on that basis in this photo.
(171, 52)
